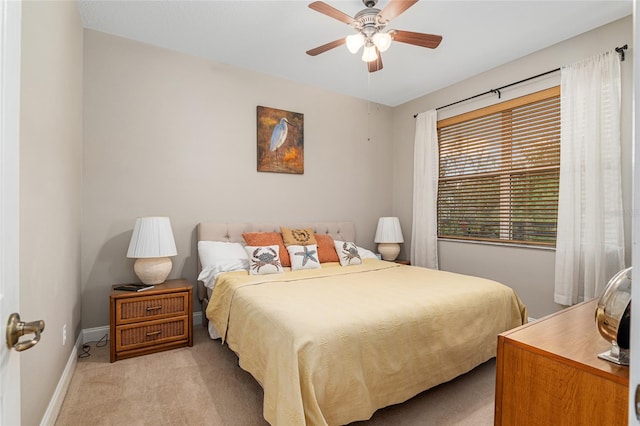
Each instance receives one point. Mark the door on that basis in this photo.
(634, 372)
(10, 20)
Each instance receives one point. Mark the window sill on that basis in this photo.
(492, 243)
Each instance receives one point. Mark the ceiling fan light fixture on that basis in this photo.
(369, 54)
(372, 33)
(382, 41)
(354, 42)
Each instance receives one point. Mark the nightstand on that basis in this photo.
(152, 320)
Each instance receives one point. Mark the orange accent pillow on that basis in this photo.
(298, 237)
(268, 239)
(326, 249)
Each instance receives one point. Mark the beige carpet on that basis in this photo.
(203, 385)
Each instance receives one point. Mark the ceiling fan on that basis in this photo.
(370, 24)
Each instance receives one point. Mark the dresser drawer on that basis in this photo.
(151, 307)
(151, 333)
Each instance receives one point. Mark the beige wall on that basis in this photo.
(529, 271)
(50, 193)
(172, 134)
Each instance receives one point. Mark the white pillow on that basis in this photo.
(212, 252)
(264, 259)
(366, 254)
(303, 257)
(348, 253)
(217, 257)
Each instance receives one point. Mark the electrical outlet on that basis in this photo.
(64, 334)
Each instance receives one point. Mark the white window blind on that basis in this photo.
(499, 172)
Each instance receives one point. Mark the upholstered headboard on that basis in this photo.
(232, 232)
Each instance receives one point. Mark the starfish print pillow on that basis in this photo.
(303, 257)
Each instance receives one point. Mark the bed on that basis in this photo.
(331, 345)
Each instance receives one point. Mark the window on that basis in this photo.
(499, 172)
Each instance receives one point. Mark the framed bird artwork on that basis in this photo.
(280, 141)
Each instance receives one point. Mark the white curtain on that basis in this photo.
(424, 237)
(590, 238)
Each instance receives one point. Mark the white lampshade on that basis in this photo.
(369, 54)
(152, 237)
(382, 41)
(151, 244)
(388, 235)
(354, 42)
(389, 231)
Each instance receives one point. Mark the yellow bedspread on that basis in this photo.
(332, 345)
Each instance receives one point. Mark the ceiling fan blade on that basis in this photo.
(395, 8)
(419, 39)
(332, 12)
(321, 49)
(376, 65)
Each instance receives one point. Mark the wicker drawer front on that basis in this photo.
(152, 307)
(151, 333)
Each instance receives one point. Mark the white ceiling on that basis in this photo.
(272, 37)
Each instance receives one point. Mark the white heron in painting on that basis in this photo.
(279, 135)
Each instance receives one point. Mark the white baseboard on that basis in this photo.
(55, 404)
(95, 334)
(530, 319)
(197, 318)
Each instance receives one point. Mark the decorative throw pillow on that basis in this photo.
(348, 253)
(303, 257)
(301, 237)
(326, 249)
(268, 239)
(264, 260)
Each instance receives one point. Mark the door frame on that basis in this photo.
(634, 368)
(10, 28)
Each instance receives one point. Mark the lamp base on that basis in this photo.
(617, 355)
(389, 251)
(152, 270)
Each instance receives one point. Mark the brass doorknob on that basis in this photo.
(17, 328)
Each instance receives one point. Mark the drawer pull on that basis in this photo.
(154, 308)
(153, 333)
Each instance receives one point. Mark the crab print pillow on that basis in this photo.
(348, 253)
(303, 257)
(264, 260)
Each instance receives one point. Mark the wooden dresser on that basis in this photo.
(548, 373)
(152, 320)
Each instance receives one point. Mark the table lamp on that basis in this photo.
(613, 317)
(151, 245)
(388, 235)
